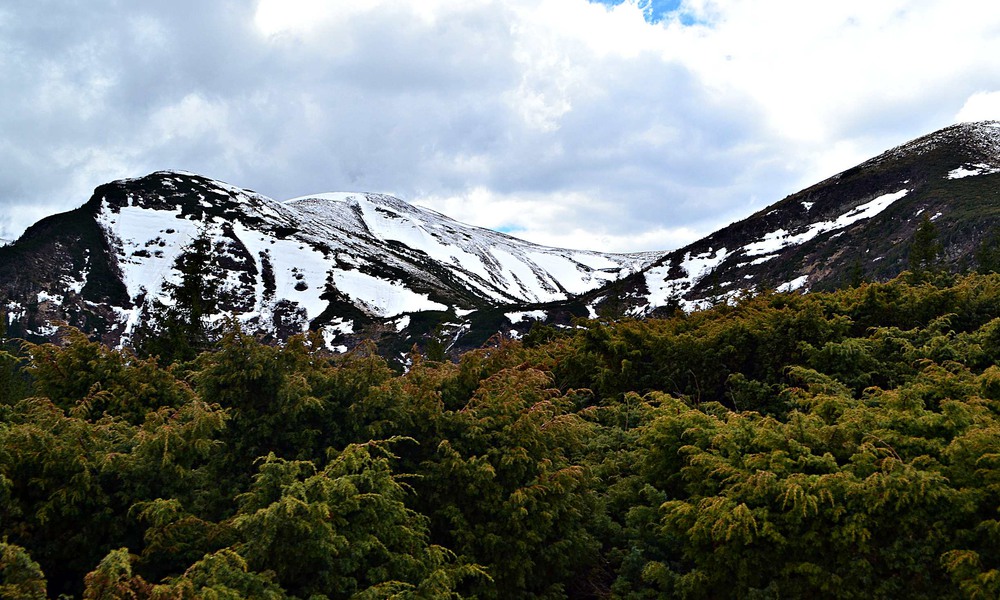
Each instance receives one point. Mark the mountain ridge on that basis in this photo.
(359, 266)
(863, 216)
(346, 261)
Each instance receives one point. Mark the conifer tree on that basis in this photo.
(14, 383)
(182, 328)
(855, 274)
(988, 253)
(925, 250)
(343, 531)
(20, 577)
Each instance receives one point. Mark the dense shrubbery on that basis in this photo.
(842, 445)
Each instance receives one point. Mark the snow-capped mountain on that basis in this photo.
(343, 262)
(368, 266)
(857, 224)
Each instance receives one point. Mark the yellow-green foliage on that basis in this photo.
(837, 445)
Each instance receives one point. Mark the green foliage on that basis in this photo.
(20, 577)
(694, 356)
(988, 253)
(436, 347)
(88, 379)
(270, 395)
(116, 431)
(507, 491)
(925, 249)
(855, 274)
(113, 579)
(837, 445)
(56, 505)
(14, 381)
(184, 327)
(175, 538)
(343, 531)
(222, 575)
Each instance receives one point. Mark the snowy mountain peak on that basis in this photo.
(979, 140)
(338, 262)
(348, 198)
(855, 225)
(356, 265)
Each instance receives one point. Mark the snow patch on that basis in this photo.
(372, 250)
(776, 240)
(44, 296)
(333, 330)
(517, 317)
(15, 312)
(793, 285)
(382, 298)
(763, 259)
(339, 325)
(490, 264)
(144, 262)
(332, 196)
(76, 285)
(48, 330)
(662, 289)
(402, 323)
(973, 170)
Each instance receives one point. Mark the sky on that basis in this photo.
(620, 125)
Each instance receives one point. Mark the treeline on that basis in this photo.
(840, 445)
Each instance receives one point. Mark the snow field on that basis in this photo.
(779, 239)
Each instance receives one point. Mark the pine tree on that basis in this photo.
(855, 274)
(925, 250)
(20, 577)
(988, 253)
(182, 329)
(436, 347)
(344, 530)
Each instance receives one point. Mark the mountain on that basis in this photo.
(359, 266)
(352, 265)
(858, 224)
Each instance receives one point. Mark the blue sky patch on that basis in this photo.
(655, 10)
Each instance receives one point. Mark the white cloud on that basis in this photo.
(567, 121)
(981, 106)
(528, 216)
(193, 117)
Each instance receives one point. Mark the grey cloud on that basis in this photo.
(656, 147)
(385, 102)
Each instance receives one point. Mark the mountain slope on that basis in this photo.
(369, 266)
(341, 262)
(857, 223)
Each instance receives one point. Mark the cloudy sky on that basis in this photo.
(608, 125)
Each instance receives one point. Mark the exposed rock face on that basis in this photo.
(859, 222)
(368, 266)
(351, 265)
